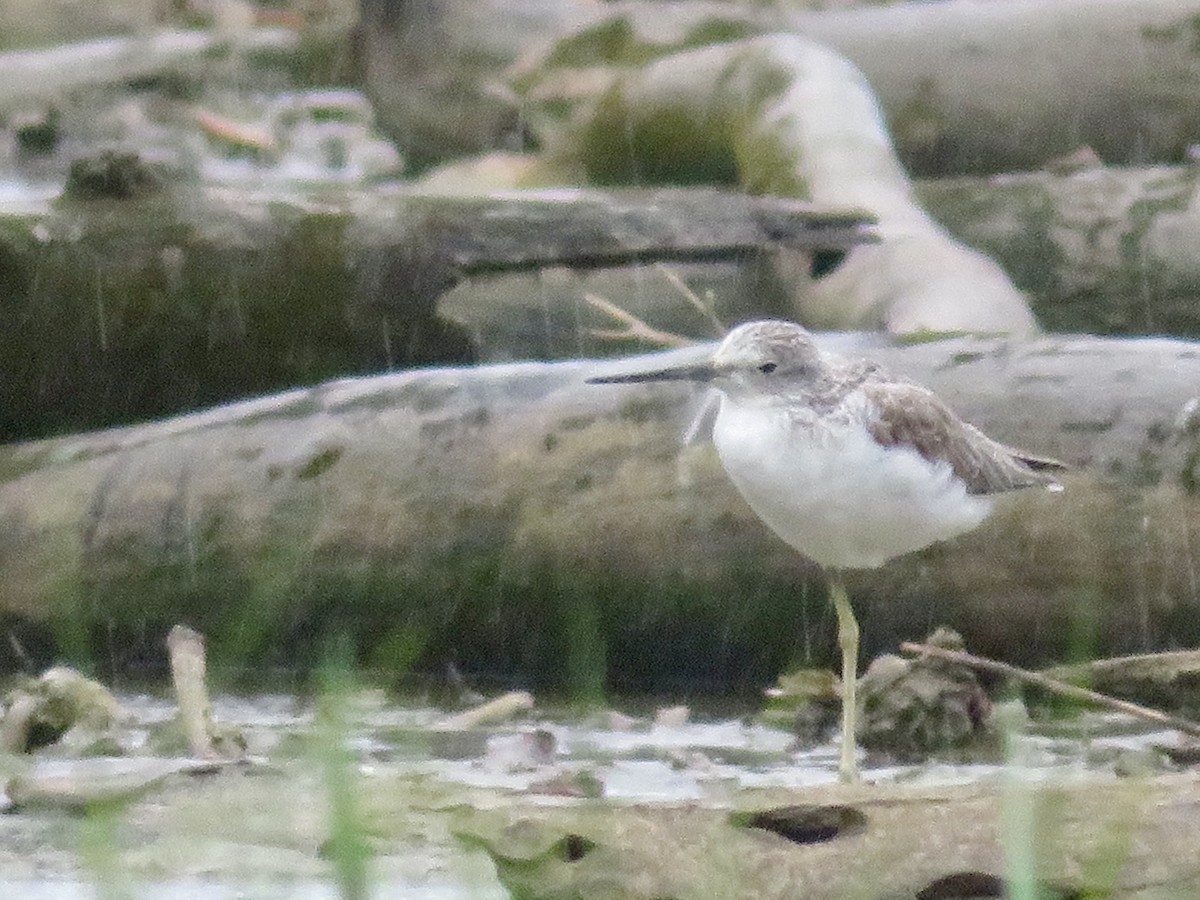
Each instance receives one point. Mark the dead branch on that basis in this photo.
(634, 327)
(702, 306)
(1055, 686)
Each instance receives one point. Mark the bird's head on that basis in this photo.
(759, 359)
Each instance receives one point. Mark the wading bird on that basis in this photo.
(845, 464)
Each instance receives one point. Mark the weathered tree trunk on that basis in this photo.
(966, 87)
(115, 312)
(29, 23)
(534, 526)
(33, 76)
(972, 87)
(781, 114)
(119, 311)
(443, 104)
(647, 95)
(1102, 250)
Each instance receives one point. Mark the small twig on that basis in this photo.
(498, 709)
(704, 308)
(234, 133)
(18, 650)
(1055, 686)
(634, 327)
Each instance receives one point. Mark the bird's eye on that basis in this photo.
(767, 368)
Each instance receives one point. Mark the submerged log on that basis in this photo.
(526, 524)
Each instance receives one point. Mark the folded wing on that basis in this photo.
(908, 414)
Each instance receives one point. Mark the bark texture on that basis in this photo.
(1101, 250)
(533, 526)
(966, 87)
(118, 311)
(781, 114)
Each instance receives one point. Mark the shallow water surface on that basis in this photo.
(262, 831)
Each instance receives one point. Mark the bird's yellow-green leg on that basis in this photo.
(848, 641)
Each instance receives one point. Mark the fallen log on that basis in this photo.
(529, 526)
(1100, 249)
(498, 709)
(1001, 87)
(120, 311)
(782, 114)
(32, 76)
(1097, 250)
(966, 87)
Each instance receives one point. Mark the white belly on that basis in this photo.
(834, 494)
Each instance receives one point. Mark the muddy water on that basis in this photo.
(261, 832)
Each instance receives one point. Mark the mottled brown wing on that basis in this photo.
(912, 415)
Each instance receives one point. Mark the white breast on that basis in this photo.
(833, 493)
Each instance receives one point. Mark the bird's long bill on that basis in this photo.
(702, 372)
